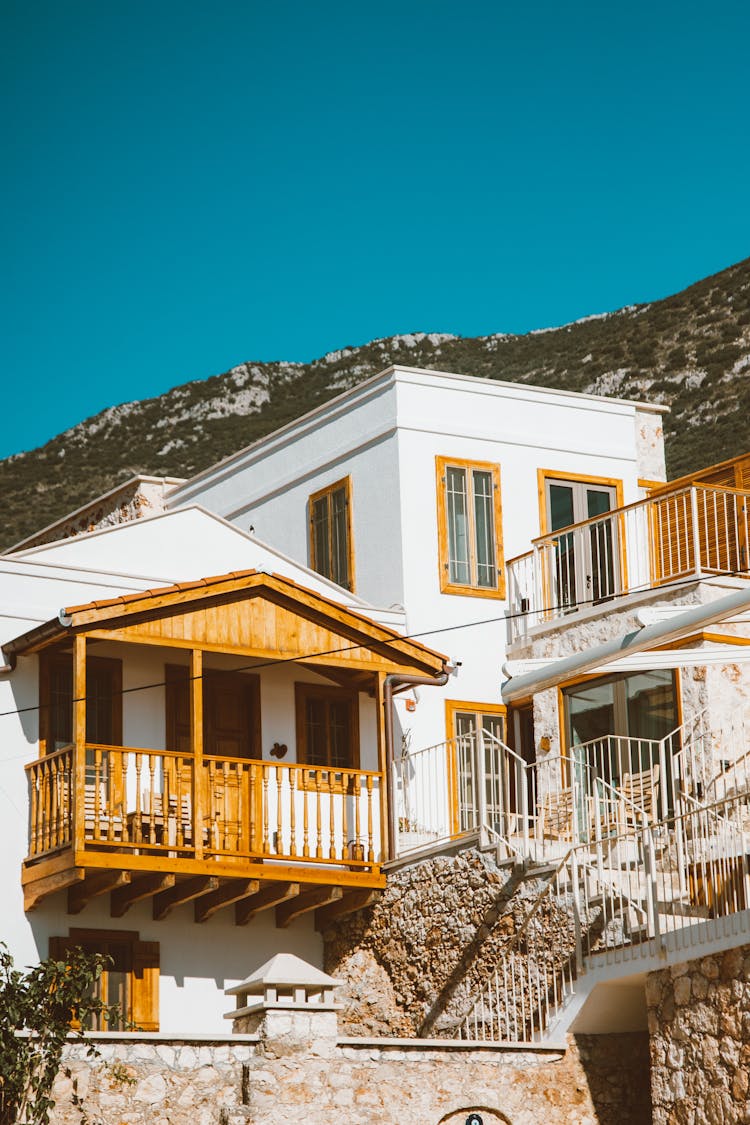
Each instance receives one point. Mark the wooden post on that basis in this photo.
(383, 767)
(79, 741)
(196, 748)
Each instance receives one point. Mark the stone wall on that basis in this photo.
(413, 963)
(699, 1022)
(365, 1083)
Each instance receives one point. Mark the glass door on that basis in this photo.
(586, 558)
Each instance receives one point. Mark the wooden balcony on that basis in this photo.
(190, 824)
(680, 533)
(222, 831)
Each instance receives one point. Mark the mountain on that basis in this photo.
(691, 351)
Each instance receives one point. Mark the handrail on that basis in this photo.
(646, 500)
(54, 754)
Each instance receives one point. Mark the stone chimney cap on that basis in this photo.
(284, 970)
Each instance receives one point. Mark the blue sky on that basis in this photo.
(189, 185)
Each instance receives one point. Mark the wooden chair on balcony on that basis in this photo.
(639, 797)
(162, 820)
(100, 820)
(555, 816)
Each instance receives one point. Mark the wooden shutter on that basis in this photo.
(145, 985)
(58, 948)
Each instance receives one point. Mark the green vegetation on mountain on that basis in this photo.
(690, 351)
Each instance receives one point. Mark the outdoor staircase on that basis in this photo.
(626, 904)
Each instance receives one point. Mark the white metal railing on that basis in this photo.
(691, 532)
(627, 888)
(535, 810)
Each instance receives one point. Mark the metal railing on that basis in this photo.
(696, 531)
(626, 889)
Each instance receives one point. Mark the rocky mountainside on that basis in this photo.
(691, 351)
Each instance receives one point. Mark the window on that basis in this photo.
(463, 722)
(331, 543)
(231, 712)
(586, 563)
(327, 726)
(103, 701)
(470, 528)
(641, 707)
(132, 979)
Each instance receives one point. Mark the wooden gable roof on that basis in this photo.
(247, 612)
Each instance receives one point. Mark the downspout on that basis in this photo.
(10, 665)
(390, 682)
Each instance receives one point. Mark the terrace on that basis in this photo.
(259, 776)
(689, 532)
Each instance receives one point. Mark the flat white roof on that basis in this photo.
(417, 375)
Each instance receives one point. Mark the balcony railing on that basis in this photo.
(234, 811)
(693, 532)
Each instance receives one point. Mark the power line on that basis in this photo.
(276, 661)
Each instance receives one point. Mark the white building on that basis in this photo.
(418, 526)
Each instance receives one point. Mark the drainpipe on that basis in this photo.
(396, 679)
(10, 664)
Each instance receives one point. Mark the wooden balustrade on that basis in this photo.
(142, 802)
(318, 813)
(51, 801)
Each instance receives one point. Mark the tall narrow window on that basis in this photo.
(103, 701)
(464, 722)
(130, 980)
(470, 528)
(327, 726)
(331, 546)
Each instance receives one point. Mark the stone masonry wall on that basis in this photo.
(219, 1083)
(699, 1022)
(412, 963)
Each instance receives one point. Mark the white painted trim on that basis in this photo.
(384, 380)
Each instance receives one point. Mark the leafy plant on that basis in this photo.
(36, 1009)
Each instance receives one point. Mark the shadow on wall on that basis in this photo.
(618, 1069)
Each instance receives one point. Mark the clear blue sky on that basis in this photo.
(187, 185)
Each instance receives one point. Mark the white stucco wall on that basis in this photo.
(386, 435)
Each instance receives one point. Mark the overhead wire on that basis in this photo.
(301, 657)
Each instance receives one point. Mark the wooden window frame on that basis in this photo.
(543, 475)
(143, 971)
(51, 657)
(470, 589)
(304, 690)
(453, 706)
(346, 484)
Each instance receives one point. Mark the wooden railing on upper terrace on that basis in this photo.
(691, 532)
(154, 803)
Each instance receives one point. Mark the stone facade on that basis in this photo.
(412, 963)
(699, 1023)
(140, 496)
(177, 1082)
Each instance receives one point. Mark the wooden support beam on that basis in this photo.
(196, 747)
(263, 900)
(125, 897)
(235, 891)
(34, 892)
(286, 912)
(182, 892)
(101, 883)
(354, 900)
(79, 740)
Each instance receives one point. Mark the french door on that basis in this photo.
(586, 559)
